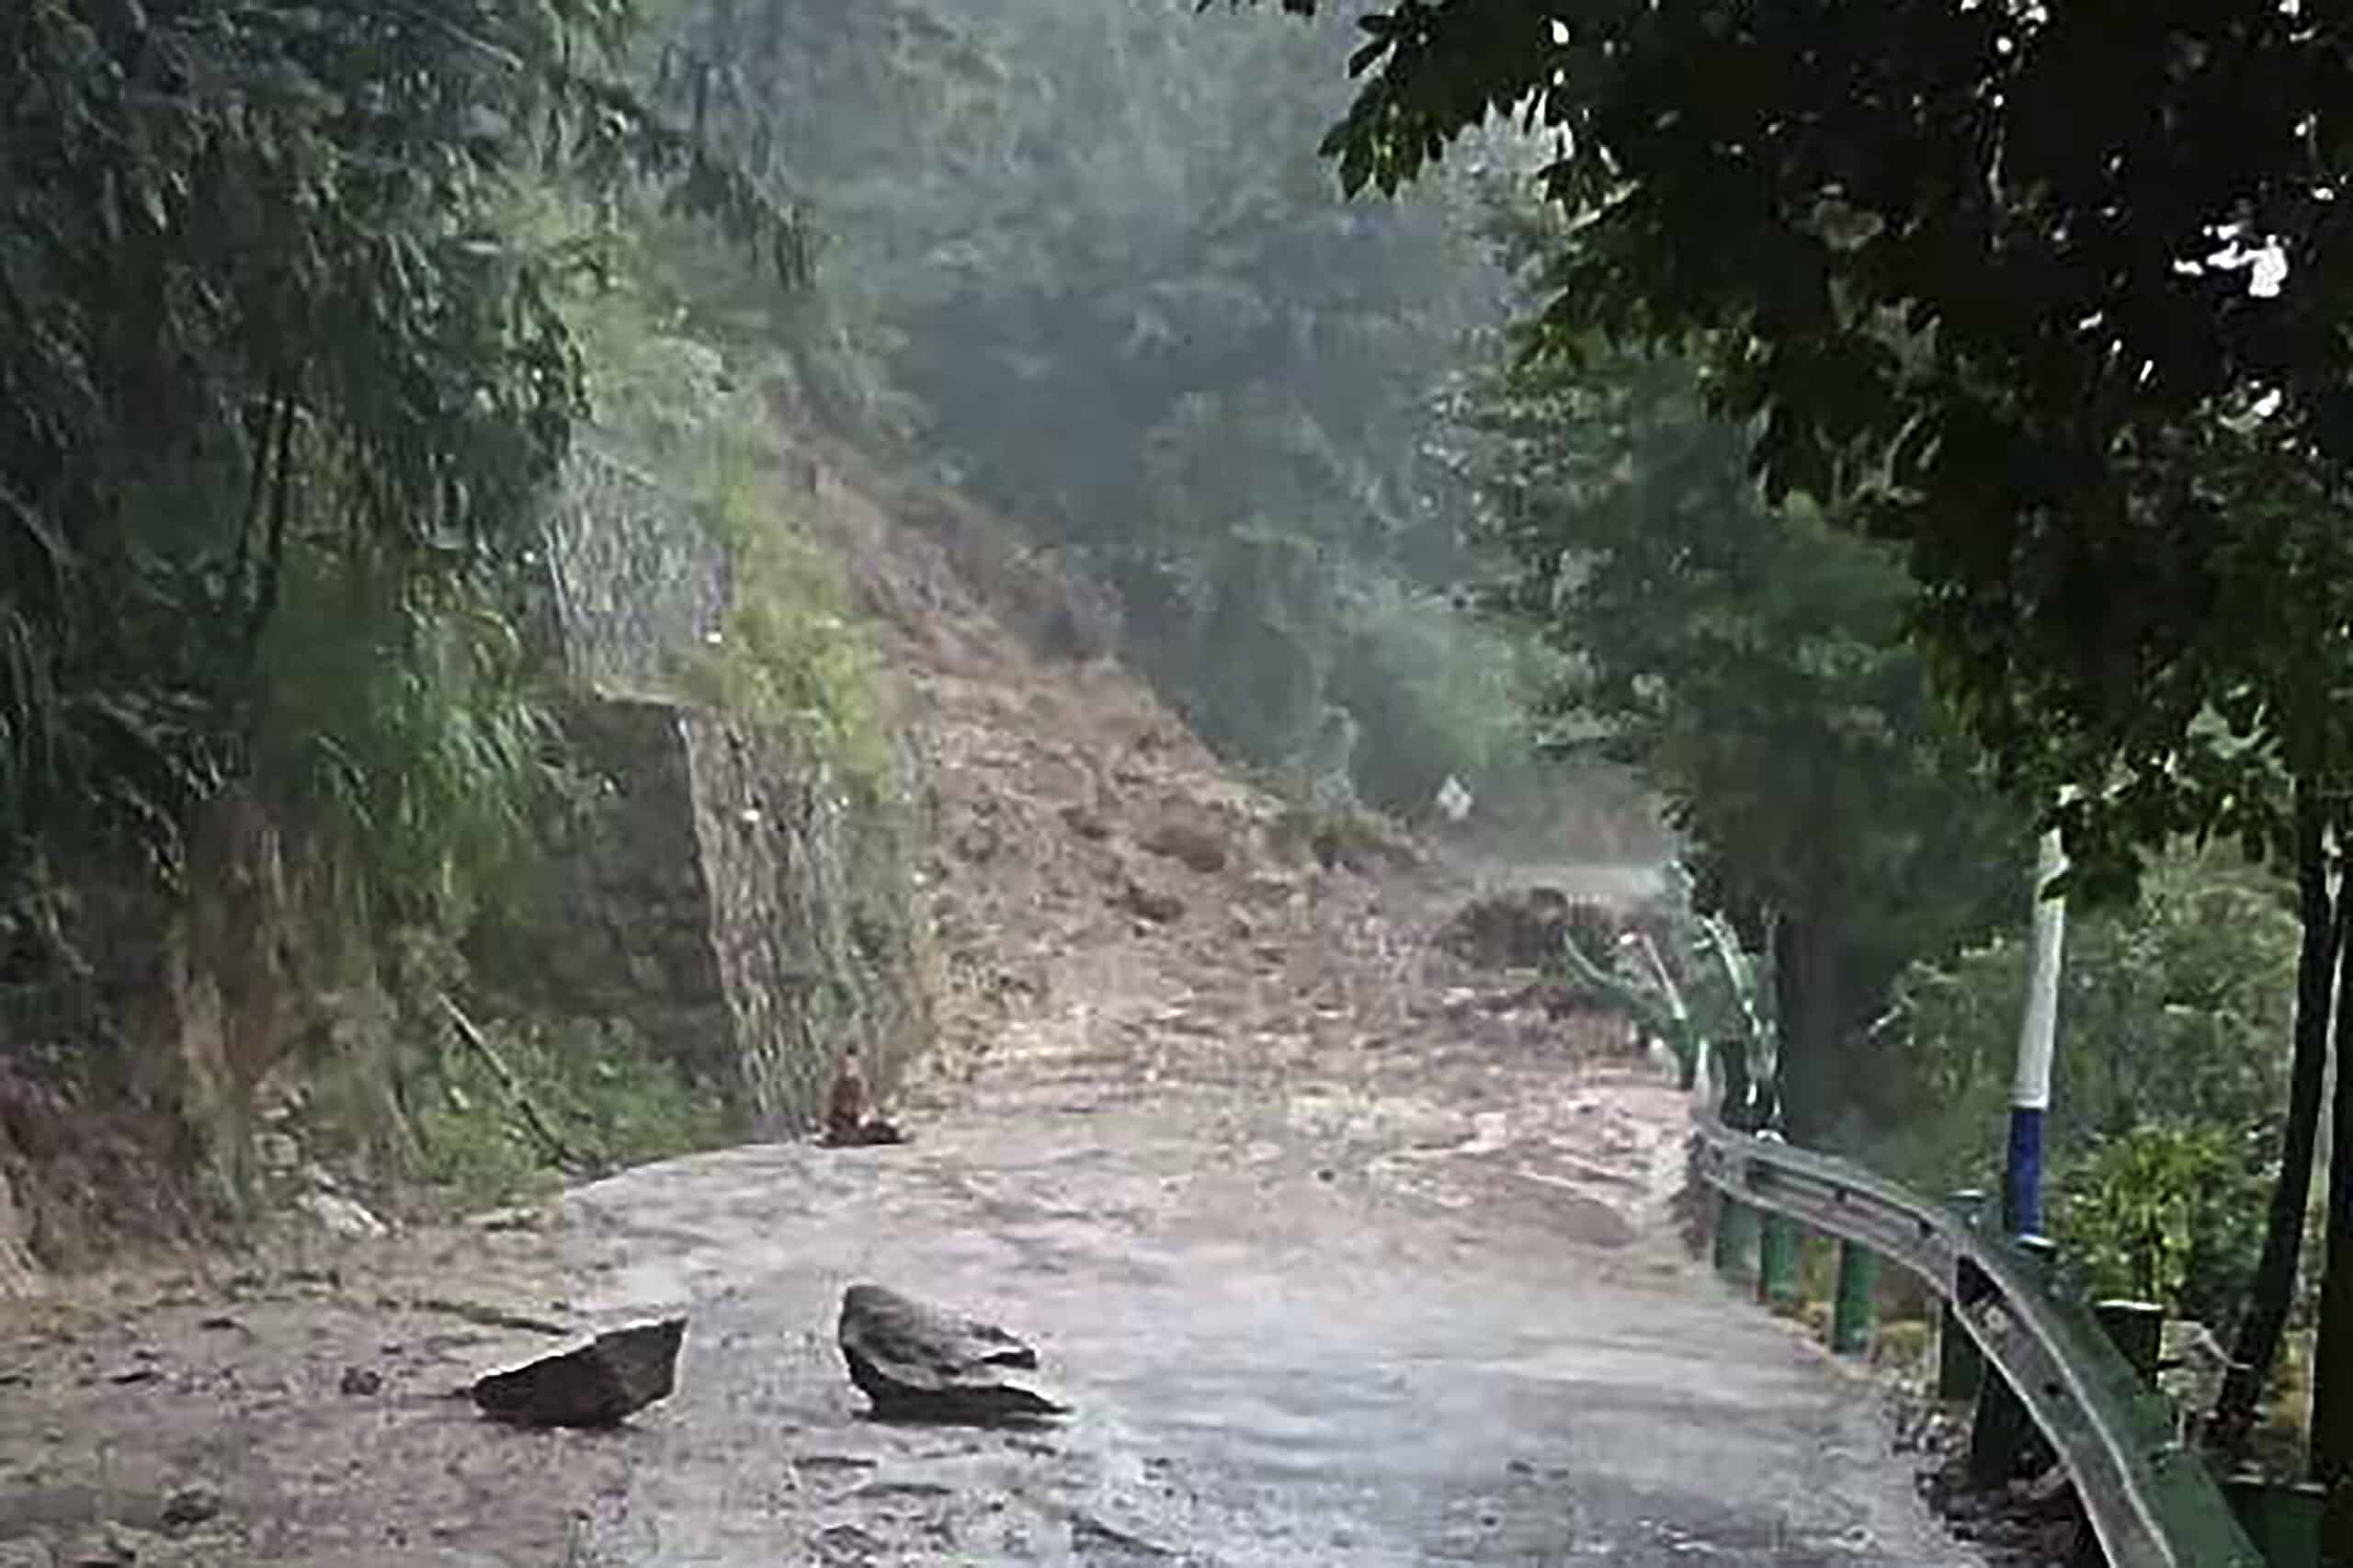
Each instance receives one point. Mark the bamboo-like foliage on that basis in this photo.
(263, 335)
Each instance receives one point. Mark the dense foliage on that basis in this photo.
(1745, 658)
(279, 387)
(2170, 1082)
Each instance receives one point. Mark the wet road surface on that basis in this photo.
(1356, 1304)
(1275, 1357)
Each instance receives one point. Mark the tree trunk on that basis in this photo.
(2256, 1345)
(1806, 1003)
(2332, 1435)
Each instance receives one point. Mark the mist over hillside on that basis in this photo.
(1086, 263)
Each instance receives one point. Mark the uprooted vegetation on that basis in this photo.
(1526, 929)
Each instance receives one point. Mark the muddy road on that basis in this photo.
(1343, 1252)
(1365, 1304)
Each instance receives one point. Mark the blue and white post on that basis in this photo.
(2038, 1036)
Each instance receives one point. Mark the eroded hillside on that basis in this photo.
(1101, 888)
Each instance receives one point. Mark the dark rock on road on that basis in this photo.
(920, 1363)
(191, 1506)
(597, 1385)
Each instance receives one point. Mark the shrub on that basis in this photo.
(2171, 1213)
(610, 1099)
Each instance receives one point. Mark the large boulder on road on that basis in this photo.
(599, 1385)
(921, 1363)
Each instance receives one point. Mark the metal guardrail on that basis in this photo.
(2151, 1500)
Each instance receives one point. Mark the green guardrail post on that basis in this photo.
(1736, 1239)
(2284, 1521)
(1850, 1309)
(2138, 1330)
(1960, 1366)
(2003, 1439)
(1777, 1264)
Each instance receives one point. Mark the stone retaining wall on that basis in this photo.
(716, 889)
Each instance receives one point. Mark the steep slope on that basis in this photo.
(1107, 896)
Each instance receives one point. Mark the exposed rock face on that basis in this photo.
(597, 1385)
(921, 1363)
(19, 1276)
(1524, 929)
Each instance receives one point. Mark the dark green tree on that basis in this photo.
(1748, 660)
